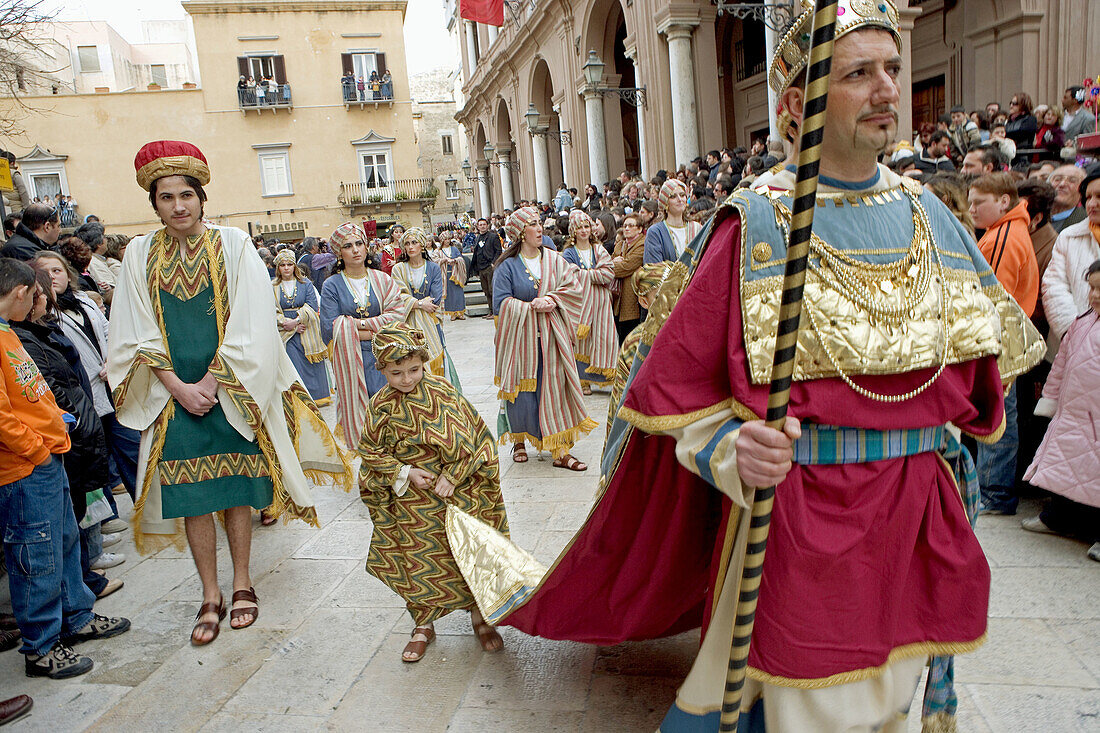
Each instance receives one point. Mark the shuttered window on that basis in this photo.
(275, 172)
(89, 58)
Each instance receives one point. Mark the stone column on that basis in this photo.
(493, 33)
(471, 44)
(597, 143)
(566, 176)
(483, 190)
(643, 150)
(907, 18)
(770, 39)
(542, 168)
(685, 125)
(504, 155)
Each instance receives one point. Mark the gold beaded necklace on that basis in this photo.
(858, 282)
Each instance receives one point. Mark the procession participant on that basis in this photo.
(597, 341)
(422, 281)
(355, 303)
(667, 238)
(872, 565)
(424, 446)
(645, 281)
(454, 274)
(297, 308)
(391, 248)
(538, 298)
(196, 364)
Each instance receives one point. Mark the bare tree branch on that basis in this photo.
(28, 67)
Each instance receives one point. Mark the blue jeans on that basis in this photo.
(997, 463)
(42, 548)
(123, 444)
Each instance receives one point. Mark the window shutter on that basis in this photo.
(346, 63)
(380, 59)
(242, 66)
(280, 69)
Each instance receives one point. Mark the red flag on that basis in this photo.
(489, 12)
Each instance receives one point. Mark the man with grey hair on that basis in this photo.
(1067, 209)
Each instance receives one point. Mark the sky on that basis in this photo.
(427, 43)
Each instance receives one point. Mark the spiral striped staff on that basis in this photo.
(790, 311)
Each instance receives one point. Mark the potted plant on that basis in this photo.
(430, 192)
(375, 198)
(401, 196)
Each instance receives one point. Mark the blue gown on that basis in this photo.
(314, 374)
(455, 301)
(511, 280)
(431, 287)
(337, 300)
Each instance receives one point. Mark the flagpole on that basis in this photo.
(786, 342)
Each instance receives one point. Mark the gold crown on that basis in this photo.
(793, 50)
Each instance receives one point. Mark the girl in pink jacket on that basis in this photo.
(1068, 461)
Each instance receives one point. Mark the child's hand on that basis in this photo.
(420, 478)
(443, 488)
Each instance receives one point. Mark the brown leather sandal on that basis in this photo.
(415, 649)
(570, 463)
(245, 595)
(267, 519)
(213, 628)
(519, 452)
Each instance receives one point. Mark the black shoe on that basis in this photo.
(9, 639)
(59, 663)
(100, 627)
(8, 622)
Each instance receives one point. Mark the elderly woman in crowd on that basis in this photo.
(597, 342)
(422, 281)
(538, 298)
(356, 302)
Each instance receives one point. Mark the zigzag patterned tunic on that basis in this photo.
(436, 429)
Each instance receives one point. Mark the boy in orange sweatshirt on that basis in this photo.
(1006, 244)
(51, 603)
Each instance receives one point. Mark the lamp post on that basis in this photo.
(593, 74)
(539, 153)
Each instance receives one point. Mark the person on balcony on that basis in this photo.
(375, 84)
(361, 87)
(347, 81)
(387, 85)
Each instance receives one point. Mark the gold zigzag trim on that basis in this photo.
(917, 649)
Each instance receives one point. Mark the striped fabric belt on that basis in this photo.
(827, 445)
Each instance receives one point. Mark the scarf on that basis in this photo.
(597, 339)
(351, 384)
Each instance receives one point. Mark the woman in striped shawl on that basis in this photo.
(537, 297)
(356, 302)
(597, 340)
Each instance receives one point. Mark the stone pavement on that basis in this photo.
(325, 651)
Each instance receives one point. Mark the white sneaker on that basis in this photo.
(108, 560)
(1094, 552)
(112, 539)
(111, 526)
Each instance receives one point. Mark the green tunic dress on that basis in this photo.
(206, 465)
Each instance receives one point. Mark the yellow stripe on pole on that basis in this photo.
(786, 344)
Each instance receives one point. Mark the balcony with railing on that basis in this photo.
(395, 191)
(366, 95)
(263, 97)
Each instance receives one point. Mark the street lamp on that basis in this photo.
(565, 137)
(593, 74)
(468, 170)
(488, 150)
(512, 165)
(452, 181)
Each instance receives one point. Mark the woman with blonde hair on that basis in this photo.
(597, 341)
(421, 280)
(297, 315)
(951, 190)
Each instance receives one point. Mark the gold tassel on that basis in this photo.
(939, 723)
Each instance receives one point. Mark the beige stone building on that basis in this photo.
(440, 142)
(298, 159)
(702, 70)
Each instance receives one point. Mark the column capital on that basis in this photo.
(504, 151)
(677, 31)
(677, 14)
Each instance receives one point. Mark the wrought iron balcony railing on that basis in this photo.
(387, 191)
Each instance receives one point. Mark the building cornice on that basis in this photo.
(209, 7)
